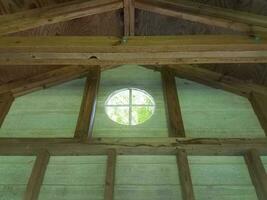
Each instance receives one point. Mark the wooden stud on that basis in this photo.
(129, 17)
(6, 100)
(259, 103)
(37, 176)
(207, 14)
(110, 175)
(185, 176)
(173, 110)
(257, 173)
(55, 13)
(85, 122)
(151, 50)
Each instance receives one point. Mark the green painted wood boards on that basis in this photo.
(135, 77)
(147, 178)
(221, 178)
(74, 177)
(14, 174)
(52, 112)
(209, 112)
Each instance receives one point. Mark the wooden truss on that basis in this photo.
(88, 56)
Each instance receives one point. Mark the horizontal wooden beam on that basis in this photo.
(217, 80)
(150, 50)
(44, 80)
(55, 13)
(135, 146)
(207, 14)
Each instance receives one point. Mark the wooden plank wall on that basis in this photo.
(47, 113)
(208, 112)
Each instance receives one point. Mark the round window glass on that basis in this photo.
(130, 106)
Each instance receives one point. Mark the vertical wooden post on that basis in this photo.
(129, 17)
(185, 176)
(6, 100)
(110, 175)
(257, 173)
(174, 115)
(259, 103)
(85, 122)
(37, 176)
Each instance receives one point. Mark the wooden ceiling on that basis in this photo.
(146, 23)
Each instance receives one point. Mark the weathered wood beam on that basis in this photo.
(110, 175)
(37, 176)
(129, 17)
(173, 110)
(259, 103)
(55, 13)
(185, 176)
(227, 147)
(44, 80)
(86, 118)
(151, 50)
(6, 100)
(217, 80)
(257, 173)
(206, 14)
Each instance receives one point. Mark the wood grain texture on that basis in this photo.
(173, 110)
(138, 50)
(84, 128)
(52, 112)
(259, 103)
(37, 176)
(44, 80)
(55, 13)
(193, 146)
(110, 175)
(129, 17)
(257, 173)
(185, 176)
(205, 14)
(6, 100)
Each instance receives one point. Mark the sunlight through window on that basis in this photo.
(130, 106)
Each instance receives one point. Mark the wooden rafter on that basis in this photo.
(86, 118)
(37, 176)
(174, 115)
(206, 14)
(44, 80)
(55, 13)
(138, 50)
(129, 17)
(217, 80)
(257, 173)
(6, 100)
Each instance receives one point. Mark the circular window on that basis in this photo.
(130, 106)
